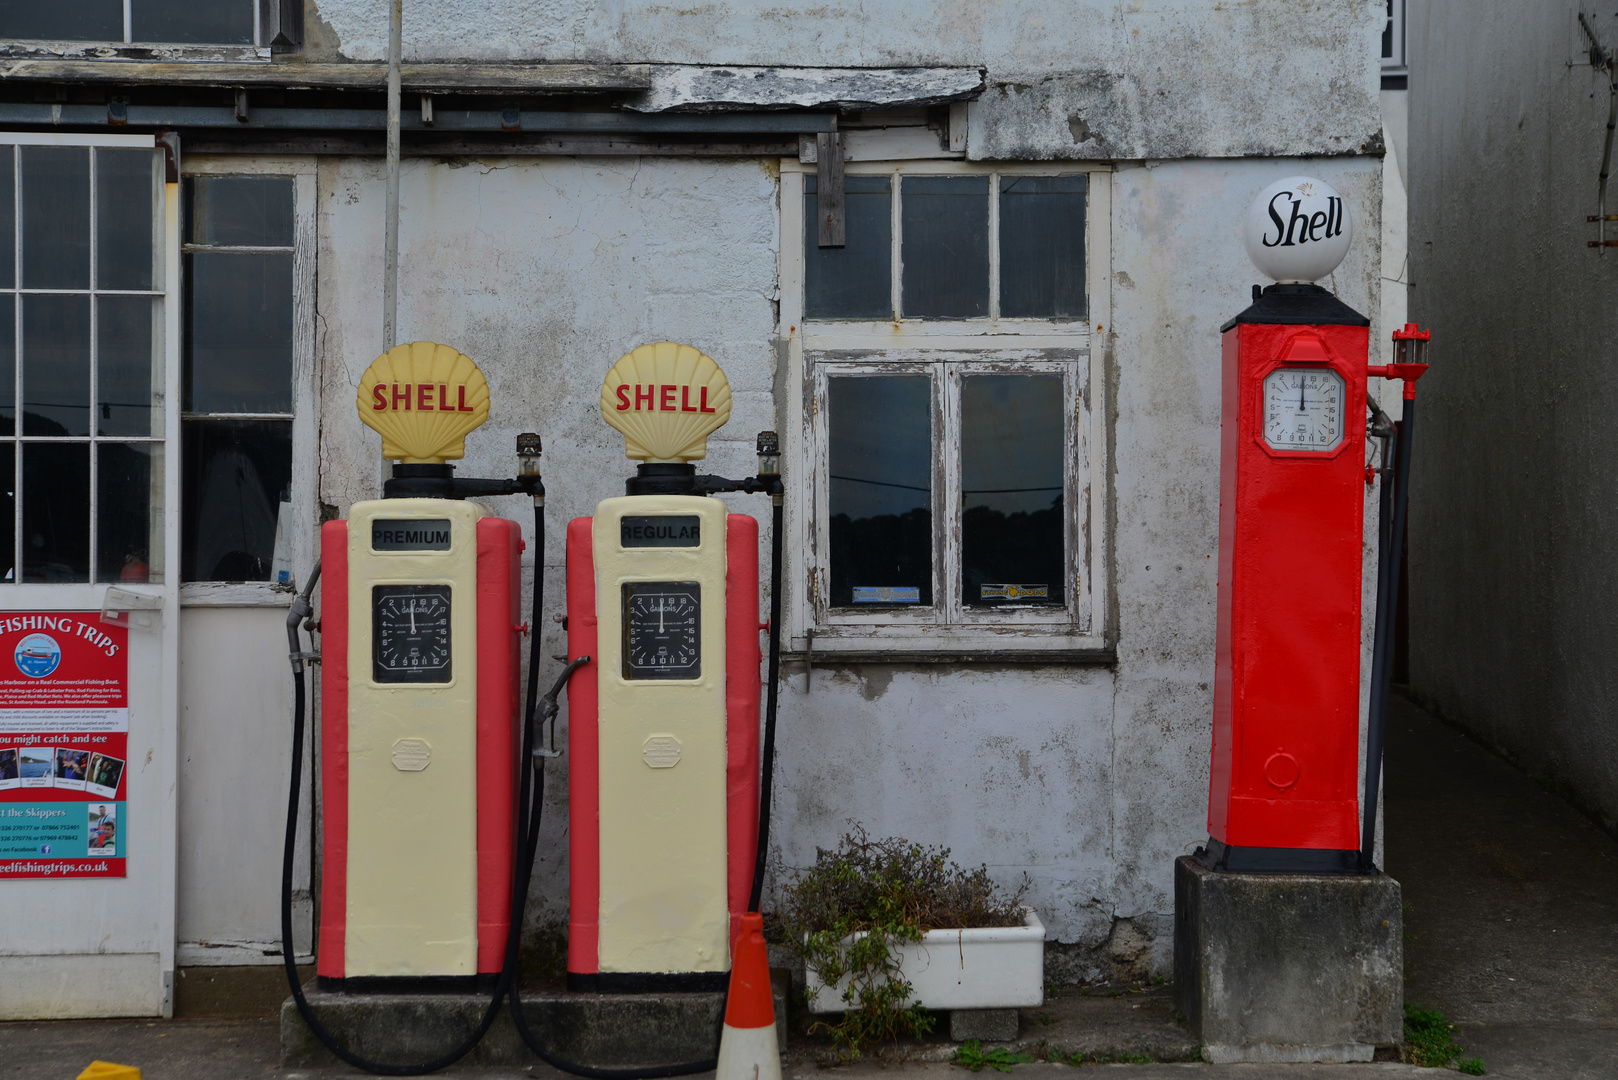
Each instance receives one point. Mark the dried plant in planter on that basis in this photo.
(883, 893)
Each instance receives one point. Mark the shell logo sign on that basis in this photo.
(423, 398)
(667, 399)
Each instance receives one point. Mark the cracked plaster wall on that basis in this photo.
(1092, 79)
(1089, 779)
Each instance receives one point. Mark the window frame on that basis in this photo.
(1394, 21)
(305, 518)
(164, 428)
(127, 47)
(947, 349)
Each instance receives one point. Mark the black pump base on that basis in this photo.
(1233, 859)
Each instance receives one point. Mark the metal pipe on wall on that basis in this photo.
(390, 255)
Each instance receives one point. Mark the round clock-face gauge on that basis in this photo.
(1303, 408)
(662, 630)
(410, 633)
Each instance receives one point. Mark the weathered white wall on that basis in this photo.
(1082, 79)
(1512, 512)
(1089, 779)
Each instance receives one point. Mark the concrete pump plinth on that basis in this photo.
(593, 1029)
(1288, 967)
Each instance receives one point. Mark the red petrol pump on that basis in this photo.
(421, 620)
(1284, 791)
(1288, 940)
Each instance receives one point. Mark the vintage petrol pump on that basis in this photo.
(1287, 939)
(1284, 779)
(663, 775)
(421, 621)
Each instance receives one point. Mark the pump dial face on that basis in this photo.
(1303, 409)
(662, 630)
(410, 633)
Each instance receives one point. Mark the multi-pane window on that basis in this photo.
(81, 363)
(941, 266)
(209, 22)
(237, 422)
(951, 465)
(949, 487)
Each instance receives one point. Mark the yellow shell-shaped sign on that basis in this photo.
(667, 399)
(423, 398)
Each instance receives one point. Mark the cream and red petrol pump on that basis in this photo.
(1284, 780)
(433, 779)
(421, 621)
(663, 776)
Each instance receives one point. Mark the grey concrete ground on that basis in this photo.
(1512, 924)
(1511, 905)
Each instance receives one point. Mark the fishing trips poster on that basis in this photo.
(64, 734)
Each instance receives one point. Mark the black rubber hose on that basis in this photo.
(1379, 645)
(1387, 599)
(531, 796)
(766, 783)
(327, 1039)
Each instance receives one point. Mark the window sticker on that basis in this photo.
(887, 594)
(1016, 592)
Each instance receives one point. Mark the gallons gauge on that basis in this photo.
(1303, 409)
(662, 630)
(410, 633)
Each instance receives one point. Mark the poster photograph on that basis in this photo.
(64, 733)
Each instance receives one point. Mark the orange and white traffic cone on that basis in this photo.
(748, 1049)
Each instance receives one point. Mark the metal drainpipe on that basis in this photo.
(390, 255)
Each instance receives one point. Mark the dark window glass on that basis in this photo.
(224, 22)
(124, 389)
(239, 211)
(880, 461)
(76, 20)
(55, 217)
(8, 512)
(237, 473)
(8, 368)
(8, 217)
(127, 527)
(56, 365)
(853, 281)
(56, 512)
(1042, 246)
(1011, 490)
(239, 332)
(1387, 34)
(945, 222)
(125, 249)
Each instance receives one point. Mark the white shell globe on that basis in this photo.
(1297, 230)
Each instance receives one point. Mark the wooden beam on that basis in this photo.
(418, 78)
(830, 230)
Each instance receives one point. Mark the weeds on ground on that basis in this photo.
(1428, 1042)
(971, 1055)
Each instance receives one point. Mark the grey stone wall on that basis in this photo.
(1512, 519)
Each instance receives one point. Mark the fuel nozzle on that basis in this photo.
(528, 451)
(769, 454)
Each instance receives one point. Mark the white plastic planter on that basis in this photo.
(984, 968)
